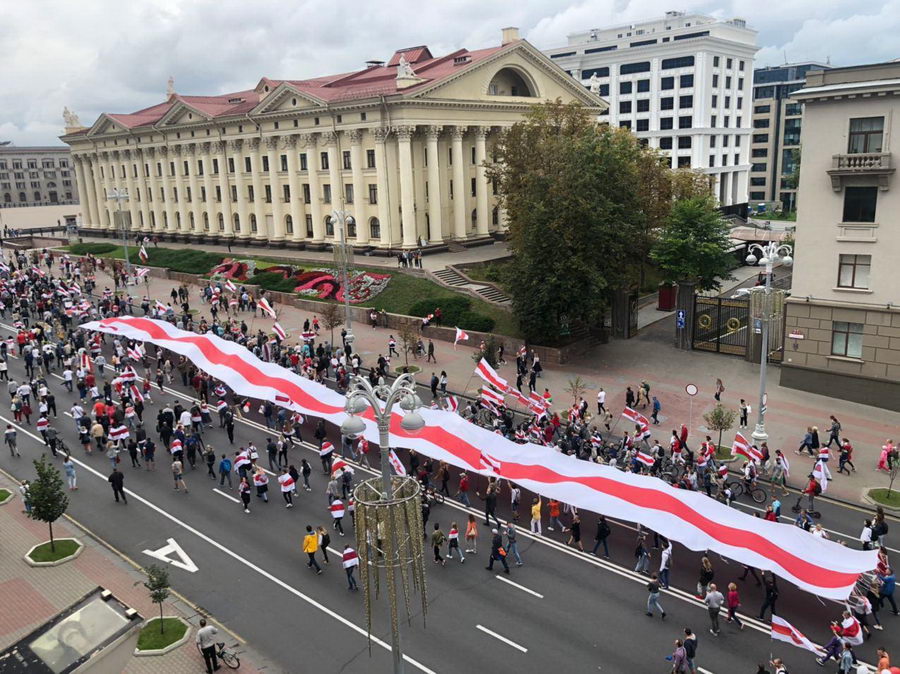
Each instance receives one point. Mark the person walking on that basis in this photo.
(706, 576)
(642, 555)
(310, 547)
(206, 642)
(512, 544)
(324, 542)
(690, 648)
(834, 431)
(117, 480)
(536, 515)
(437, 542)
(287, 487)
(225, 470)
(69, 467)
(9, 437)
(714, 601)
(350, 560)
(453, 543)
(679, 658)
(771, 590)
(575, 533)
(744, 410)
(244, 491)
(497, 552)
(719, 390)
(665, 565)
(733, 601)
(653, 598)
(472, 535)
(178, 475)
(603, 532)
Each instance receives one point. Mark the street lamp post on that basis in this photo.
(361, 397)
(343, 258)
(119, 195)
(765, 302)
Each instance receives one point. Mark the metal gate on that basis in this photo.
(722, 325)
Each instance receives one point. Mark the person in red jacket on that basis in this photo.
(812, 489)
(463, 492)
(733, 601)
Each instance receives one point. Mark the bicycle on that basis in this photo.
(739, 488)
(227, 656)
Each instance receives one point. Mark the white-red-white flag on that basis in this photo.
(141, 272)
(461, 336)
(86, 363)
(451, 403)
(490, 395)
(327, 448)
(782, 630)
(160, 307)
(742, 447)
(396, 464)
(266, 307)
(639, 420)
(822, 474)
(229, 286)
(486, 372)
(644, 458)
(515, 393)
(278, 330)
(135, 353)
(142, 253)
(136, 394)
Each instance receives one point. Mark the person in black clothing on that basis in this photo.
(229, 427)
(497, 552)
(117, 480)
(603, 532)
(490, 504)
(771, 597)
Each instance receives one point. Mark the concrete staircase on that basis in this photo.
(451, 278)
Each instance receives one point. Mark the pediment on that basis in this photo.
(105, 124)
(286, 97)
(182, 113)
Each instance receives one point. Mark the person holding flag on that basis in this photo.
(846, 633)
(461, 336)
(142, 253)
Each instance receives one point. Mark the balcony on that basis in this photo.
(874, 164)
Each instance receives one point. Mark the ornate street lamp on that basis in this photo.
(766, 303)
(119, 195)
(388, 511)
(343, 256)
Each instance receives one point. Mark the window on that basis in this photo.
(791, 109)
(679, 62)
(853, 271)
(303, 166)
(248, 167)
(846, 339)
(250, 195)
(323, 161)
(728, 81)
(284, 164)
(757, 168)
(329, 226)
(374, 228)
(728, 63)
(643, 125)
(667, 83)
(234, 194)
(715, 101)
(643, 86)
(202, 194)
(758, 196)
(712, 141)
(288, 224)
(624, 87)
(625, 124)
(218, 194)
(588, 73)
(643, 105)
(624, 107)
(866, 134)
(665, 123)
(370, 159)
(686, 81)
(757, 182)
(715, 80)
(230, 166)
(684, 162)
(684, 142)
(265, 164)
(326, 193)
(667, 103)
(373, 194)
(760, 123)
(684, 122)
(309, 227)
(604, 90)
(760, 152)
(685, 101)
(712, 160)
(728, 101)
(760, 138)
(630, 68)
(859, 204)
(215, 167)
(286, 190)
(307, 196)
(346, 159)
(741, 65)
(348, 194)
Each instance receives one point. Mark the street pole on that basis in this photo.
(344, 262)
(119, 196)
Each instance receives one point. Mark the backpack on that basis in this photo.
(690, 648)
(818, 489)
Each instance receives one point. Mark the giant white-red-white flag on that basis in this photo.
(639, 420)
(741, 447)
(489, 374)
(461, 336)
(782, 630)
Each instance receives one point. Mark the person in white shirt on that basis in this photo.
(206, 642)
(601, 401)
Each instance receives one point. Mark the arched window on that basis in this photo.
(474, 218)
(7, 198)
(51, 184)
(23, 197)
(329, 226)
(37, 196)
(253, 226)
(512, 82)
(288, 224)
(54, 197)
(221, 221)
(374, 228)
(237, 222)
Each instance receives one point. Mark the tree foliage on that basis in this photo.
(332, 317)
(693, 245)
(719, 418)
(583, 201)
(157, 584)
(48, 500)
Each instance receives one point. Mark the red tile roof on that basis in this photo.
(366, 83)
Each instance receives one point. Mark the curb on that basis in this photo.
(171, 647)
(869, 499)
(75, 554)
(7, 499)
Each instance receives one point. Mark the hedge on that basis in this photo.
(274, 280)
(456, 311)
(92, 248)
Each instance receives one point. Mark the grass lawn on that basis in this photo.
(881, 496)
(4, 494)
(150, 638)
(64, 548)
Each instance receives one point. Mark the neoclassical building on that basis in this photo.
(400, 147)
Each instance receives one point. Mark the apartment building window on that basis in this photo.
(303, 166)
(728, 63)
(323, 161)
(326, 193)
(791, 109)
(760, 152)
(740, 83)
(757, 168)
(286, 191)
(846, 339)
(370, 159)
(757, 182)
(665, 123)
(715, 80)
(728, 81)
(684, 122)
(373, 194)
(667, 83)
(685, 101)
(624, 87)
(792, 131)
(631, 68)
(853, 271)
(686, 81)
(643, 105)
(643, 86)
(757, 196)
(866, 134)
(684, 162)
(859, 204)
(714, 120)
(715, 101)
(677, 62)
(712, 141)
(624, 107)
(760, 123)
(712, 160)
(684, 142)
(667, 103)
(346, 159)
(643, 125)
(625, 124)
(741, 65)
(715, 61)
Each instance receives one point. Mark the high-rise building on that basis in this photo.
(775, 143)
(36, 176)
(683, 83)
(845, 302)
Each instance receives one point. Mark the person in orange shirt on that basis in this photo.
(553, 504)
(884, 660)
(472, 535)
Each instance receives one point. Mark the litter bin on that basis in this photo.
(666, 301)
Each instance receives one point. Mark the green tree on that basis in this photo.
(157, 584)
(694, 244)
(48, 500)
(408, 338)
(571, 189)
(719, 418)
(332, 317)
(491, 349)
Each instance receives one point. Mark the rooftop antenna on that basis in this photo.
(828, 60)
(785, 56)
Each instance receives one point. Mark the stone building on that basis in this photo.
(36, 176)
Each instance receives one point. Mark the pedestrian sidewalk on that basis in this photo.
(31, 595)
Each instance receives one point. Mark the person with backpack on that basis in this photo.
(690, 649)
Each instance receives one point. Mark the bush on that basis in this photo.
(469, 320)
(92, 248)
(456, 312)
(274, 280)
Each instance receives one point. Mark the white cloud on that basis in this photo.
(110, 56)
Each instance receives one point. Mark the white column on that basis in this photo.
(315, 195)
(184, 207)
(133, 206)
(142, 184)
(156, 206)
(99, 196)
(218, 149)
(289, 145)
(384, 212)
(481, 182)
(90, 185)
(82, 191)
(236, 148)
(334, 178)
(195, 206)
(434, 185)
(109, 182)
(407, 195)
(259, 194)
(277, 233)
(359, 195)
(209, 207)
(169, 221)
(459, 184)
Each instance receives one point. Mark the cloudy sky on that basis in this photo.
(111, 56)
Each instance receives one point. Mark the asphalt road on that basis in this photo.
(562, 608)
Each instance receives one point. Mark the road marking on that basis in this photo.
(228, 496)
(521, 587)
(230, 553)
(172, 548)
(501, 638)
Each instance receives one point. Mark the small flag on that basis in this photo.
(822, 474)
(396, 464)
(490, 395)
(134, 353)
(136, 394)
(278, 330)
(141, 272)
(639, 420)
(452, 403)
(160, 307)
(229, 286)
(142, 253)
(744, 448)
(266, 307)
(486, 372)
(644, 458)
(782, 630)
(461, 336)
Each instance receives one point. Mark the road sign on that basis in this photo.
(172, 548)
(796, 334)
(757, 326)
(679, 319)
(691, 390)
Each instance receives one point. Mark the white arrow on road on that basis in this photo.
(171, 547)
